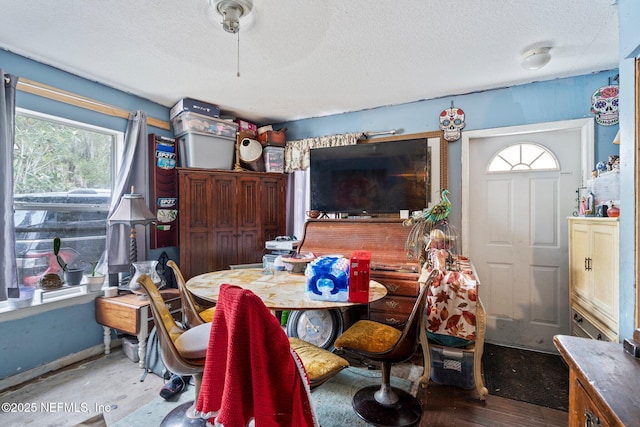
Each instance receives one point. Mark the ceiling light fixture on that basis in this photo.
(537, 58)
(232, 11)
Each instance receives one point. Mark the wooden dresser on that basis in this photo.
(225, 217)
(386, 239)
(604, 386)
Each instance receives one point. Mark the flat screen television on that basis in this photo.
(370, 178)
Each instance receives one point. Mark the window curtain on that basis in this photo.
(8, 265)
(296, 163)
(116, 257)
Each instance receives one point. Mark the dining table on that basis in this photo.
(318, 322)
(279, 290)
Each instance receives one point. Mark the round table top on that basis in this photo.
(279, 291)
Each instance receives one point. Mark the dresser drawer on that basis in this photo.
(398, 283)
(394, 304)
(393, 319)
(393, 310)
(582, 327)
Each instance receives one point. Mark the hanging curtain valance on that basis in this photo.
(296, 153)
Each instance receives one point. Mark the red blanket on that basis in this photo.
(250, 369)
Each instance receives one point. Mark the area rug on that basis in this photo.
(331, 400)
(527, 376)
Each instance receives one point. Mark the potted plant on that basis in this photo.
(72, 276)
(94, 279)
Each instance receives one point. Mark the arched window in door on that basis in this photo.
(524, 156)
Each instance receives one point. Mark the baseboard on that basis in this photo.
(54, 365)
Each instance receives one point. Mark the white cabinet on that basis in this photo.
(593, 277)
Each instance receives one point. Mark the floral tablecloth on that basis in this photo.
(452, 300)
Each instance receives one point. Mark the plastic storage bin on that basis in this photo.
(201, 150)
(452, 366)
(130, 347)
(193, 122)
(273, 159)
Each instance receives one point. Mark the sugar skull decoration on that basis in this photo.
(452, 122)
(604, 104)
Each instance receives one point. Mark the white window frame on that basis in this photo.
(519, 145)
(51, 300)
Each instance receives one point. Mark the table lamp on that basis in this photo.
(132, 210)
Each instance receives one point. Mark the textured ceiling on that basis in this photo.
(306, 58)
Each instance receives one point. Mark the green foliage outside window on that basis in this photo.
(50, 157)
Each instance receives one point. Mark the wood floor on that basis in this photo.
(113, 382)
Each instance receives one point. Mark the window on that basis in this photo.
(63, 173)
(523, 157)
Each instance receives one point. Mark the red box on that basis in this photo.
(359, 272)
(246, 126)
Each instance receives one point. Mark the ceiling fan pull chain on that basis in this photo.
(238, 59)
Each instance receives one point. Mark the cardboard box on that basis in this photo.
(194, 106)
(202, 150)
(452, 366)
(244, 125)
(194, 122)
(273, 137)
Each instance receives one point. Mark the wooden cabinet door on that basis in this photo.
(250, 243)
(273, 200)
(579, 254)
(195, 224)
(224, 221)
(605, 272)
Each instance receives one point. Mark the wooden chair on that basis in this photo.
(387, 405)
(195, 314)
(183, 351)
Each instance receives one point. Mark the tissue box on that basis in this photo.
(328, 278)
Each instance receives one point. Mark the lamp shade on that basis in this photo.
(132, 210)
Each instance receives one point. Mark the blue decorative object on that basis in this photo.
(601, 167)
(328, 278)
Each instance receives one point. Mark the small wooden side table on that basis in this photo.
(130, 314)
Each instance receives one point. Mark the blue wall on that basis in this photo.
(36, 340)
(628, 13)
(554, 100)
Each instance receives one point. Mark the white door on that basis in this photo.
(517, 231)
